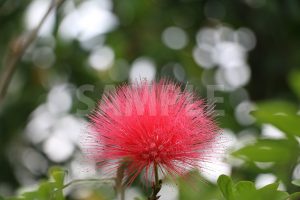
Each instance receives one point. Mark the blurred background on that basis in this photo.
(246, 51)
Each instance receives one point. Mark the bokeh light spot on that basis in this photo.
(142, 68)
(174, 38)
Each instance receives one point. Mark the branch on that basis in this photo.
(107, 180)
(17, 49)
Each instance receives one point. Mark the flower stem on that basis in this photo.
(119, 181)
(156, 185)
(87, 180)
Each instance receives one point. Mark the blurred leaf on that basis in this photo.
(294, 81)
(277, 106)
(51, 189)
(138, 198)
(266, 150)
(45, 189)
(246, 190)
(194, 187)
(31, 195)
(225, 185)
(296, 182)
(282, 115)
(58, 175)
(270, 192)
(294, 196)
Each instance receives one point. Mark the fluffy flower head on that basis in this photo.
(151, 124)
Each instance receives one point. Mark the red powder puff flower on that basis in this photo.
(151, 125)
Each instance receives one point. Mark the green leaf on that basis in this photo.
(270, 192)
(51, 189)
(277, 106)
(194, 187)
(294, 81)
(31, 195)
(226, 187)
(46, 189)
(294, 196)
(246, 190)
(58, 175)
(280, 114)
(272, 186)
(267, 151)
(296, 182)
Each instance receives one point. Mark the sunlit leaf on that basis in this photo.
(270, 192)
(296, 182)
(31, 195)
(282, 115)
(267, 151)
(58, 175)
(46, 189)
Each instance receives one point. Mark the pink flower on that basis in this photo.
(151, 124)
